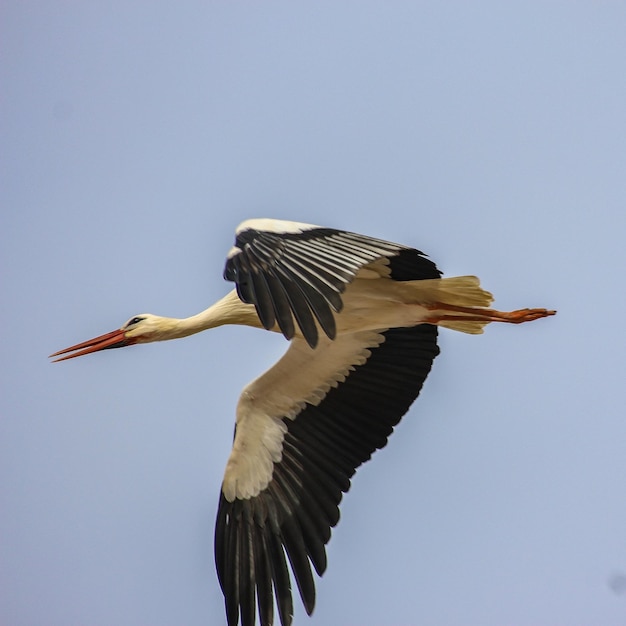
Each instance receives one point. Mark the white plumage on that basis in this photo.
(362, 317)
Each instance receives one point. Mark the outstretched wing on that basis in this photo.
(306, 425)
(298, 441)
(290, 270)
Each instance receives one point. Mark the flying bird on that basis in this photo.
(361, 315)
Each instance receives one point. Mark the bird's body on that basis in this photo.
(362, 317)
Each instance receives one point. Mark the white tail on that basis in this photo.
(458, 290)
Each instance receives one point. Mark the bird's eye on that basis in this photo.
(135, 320)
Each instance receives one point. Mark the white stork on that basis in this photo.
(361, 315)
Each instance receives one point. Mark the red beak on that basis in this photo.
(114, 339)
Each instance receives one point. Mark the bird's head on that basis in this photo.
(138, 329)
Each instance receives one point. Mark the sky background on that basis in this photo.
(135, 136)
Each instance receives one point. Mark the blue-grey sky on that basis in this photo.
(135, 136)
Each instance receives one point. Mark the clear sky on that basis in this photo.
(135, 136)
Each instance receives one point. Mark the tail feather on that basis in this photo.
(471, 328)
(464, 291)
(457, 290)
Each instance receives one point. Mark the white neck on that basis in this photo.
(229, 310)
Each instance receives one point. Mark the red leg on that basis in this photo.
(477, 314)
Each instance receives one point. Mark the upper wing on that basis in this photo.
(290, 270)
(298, 441)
